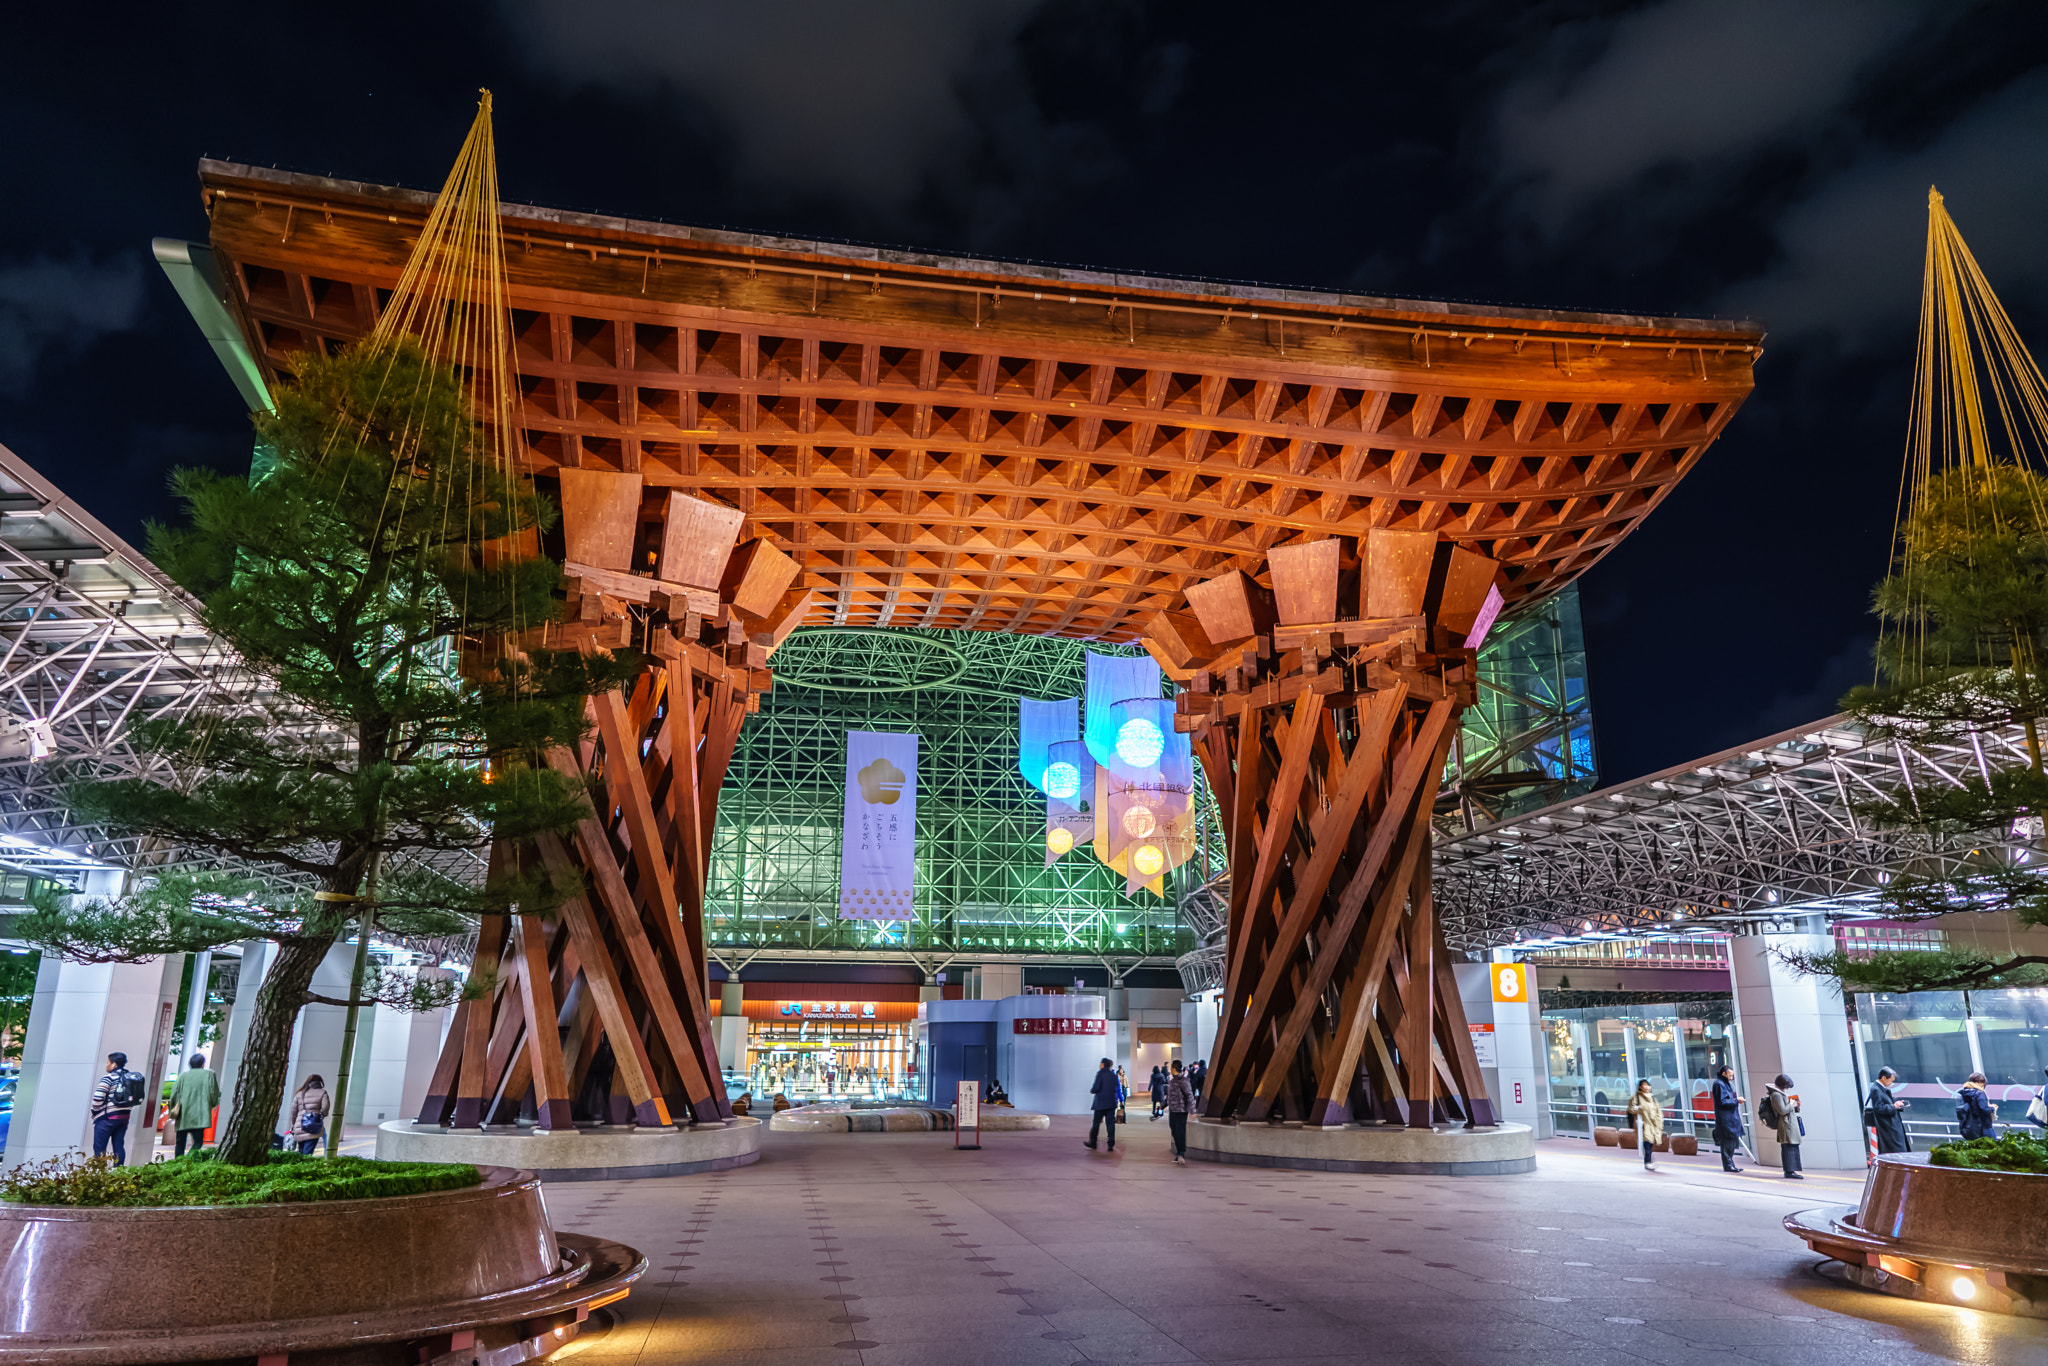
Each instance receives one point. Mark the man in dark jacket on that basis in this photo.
(1180, 1099)
(1882, 1111)
(1728, 1104)
(1198, 1076)
(1104, 1103)
(1976, 1116)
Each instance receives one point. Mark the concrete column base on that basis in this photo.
(594, 1154)
(1447, 1150)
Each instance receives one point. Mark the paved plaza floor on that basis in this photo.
(894, 1250)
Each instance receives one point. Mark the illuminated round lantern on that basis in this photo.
(1059, 840)
(1139, 822)
(1139, 742)
(1062, 781)
(1148, 860)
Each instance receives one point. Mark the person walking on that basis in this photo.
(1649, 1118)
(1103, 1104)
(1882, 1111)
(2037, 1108)
(1180, 1100)
(311, 1105)
(1976, 1116)
(1123, 1093)
(1780, 1109)
(1198, 1076)
(192, 1102)
(1158, 1092)
(1728, 1103)
(114, 1096)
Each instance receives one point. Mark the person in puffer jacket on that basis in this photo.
(1180, 1100)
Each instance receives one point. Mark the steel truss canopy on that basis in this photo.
(92, 639)
(1760, 832)
(978, 444)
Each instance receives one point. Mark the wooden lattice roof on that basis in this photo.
(984, 444)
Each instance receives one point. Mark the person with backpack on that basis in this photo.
(1102, 1104)
(1976, 1116)
(114, 1095)
(1728, 1104)
(1179, 1100)
(311, 1105)
(1883, 1113)
(1779, 1109)
(192, 1102)
(1158, 1085)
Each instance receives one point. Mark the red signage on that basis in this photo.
(1035, 1025)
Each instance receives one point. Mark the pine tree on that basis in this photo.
(1965, 621)
(353, 574)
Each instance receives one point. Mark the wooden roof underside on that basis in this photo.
(963, 445)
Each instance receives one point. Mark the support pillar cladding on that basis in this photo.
(82, 1012)
(731, 1025)
(1797, 1025)
(1521, 1078)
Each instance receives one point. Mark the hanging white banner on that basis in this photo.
(878, 844)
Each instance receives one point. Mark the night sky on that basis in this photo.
(1760, 158)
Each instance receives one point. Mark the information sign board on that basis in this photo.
(967, 1114)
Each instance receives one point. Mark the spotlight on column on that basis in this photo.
(1139, 742)
(1062, 781)
(1963, 1288)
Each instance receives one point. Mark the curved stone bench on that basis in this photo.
(599, 1153)
(998, 1119)
(400, 1279)
(1446, 1150)
(1947, 1235)
(838, 1117)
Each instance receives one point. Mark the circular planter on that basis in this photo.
(476, 1267)
(1952, 1235)
(599, 1153)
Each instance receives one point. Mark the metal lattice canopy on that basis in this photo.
(981, 889)
(1765, 831)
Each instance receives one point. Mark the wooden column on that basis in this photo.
(1324, 723)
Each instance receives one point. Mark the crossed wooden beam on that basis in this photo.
(621, 963)
(1321, 705)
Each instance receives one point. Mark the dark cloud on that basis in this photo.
(1850, 253)
(812, 95)
(52, 307)
(1683, 84)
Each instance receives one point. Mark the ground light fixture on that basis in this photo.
(1059, 840)
(1148, 860)
(1139, 742)
(1139, 822)
(1963, 1288)
(1062, 781)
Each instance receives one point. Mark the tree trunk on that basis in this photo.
(266, 1054)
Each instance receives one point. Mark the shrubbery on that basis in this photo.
(287, 1178)
(2010, 1153)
